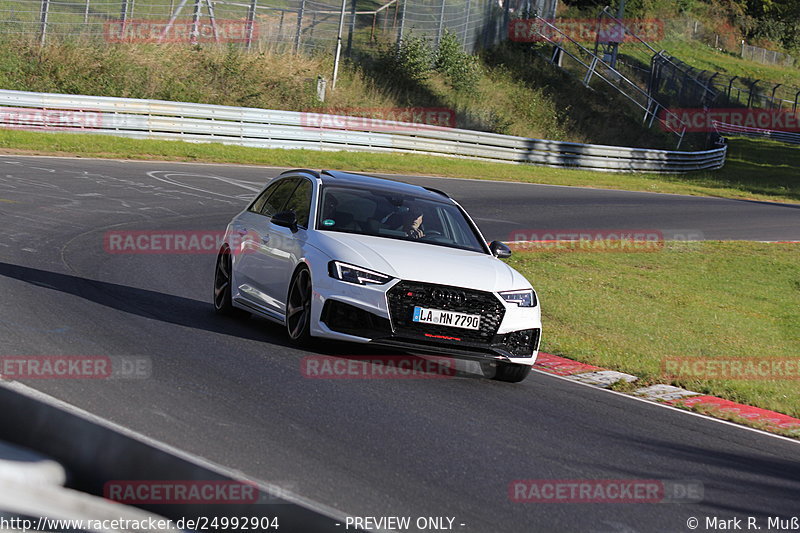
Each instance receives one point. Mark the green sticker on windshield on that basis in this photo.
(328, 222)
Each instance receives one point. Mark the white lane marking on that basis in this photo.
(667, 406)
(166, 177)
(285, 494)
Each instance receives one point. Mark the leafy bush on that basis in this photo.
(414, 59)
(460, 68)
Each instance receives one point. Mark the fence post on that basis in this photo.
(441, 24)
(43, 29)
(466, 25)
(352, 28)
(196, 21)
(772, 99)
(86, 13)
(402, 26)
(299, 25)
(251, 18)
(338, 46)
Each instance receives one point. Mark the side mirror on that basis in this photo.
(287, 219)
(499, 249)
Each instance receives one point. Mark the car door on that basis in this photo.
(284, 247)
(252, 265)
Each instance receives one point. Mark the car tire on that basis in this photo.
(298, 307)
(508, 372)
(223, 304)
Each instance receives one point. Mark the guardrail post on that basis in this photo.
(251, 19)
(299, 25)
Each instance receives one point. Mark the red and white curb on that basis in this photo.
(668, 394)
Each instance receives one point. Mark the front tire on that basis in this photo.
(298, 307)
(508, 372)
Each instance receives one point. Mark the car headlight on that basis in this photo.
(523, 298)
(355, 274)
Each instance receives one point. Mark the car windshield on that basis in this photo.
(394, 215)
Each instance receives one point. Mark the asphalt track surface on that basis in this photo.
(232, 392)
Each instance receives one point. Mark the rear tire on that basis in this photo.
(508, 372)
(223, 305)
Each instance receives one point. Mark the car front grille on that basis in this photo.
(403, 297)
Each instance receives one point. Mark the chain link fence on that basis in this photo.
(768, 57)
(300, 25)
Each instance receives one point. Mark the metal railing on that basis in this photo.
(745, 131)
(156, 119)
(591, 66)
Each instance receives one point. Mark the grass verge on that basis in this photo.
(758, 170)
(697, 301)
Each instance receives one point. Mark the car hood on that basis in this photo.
(418, 261)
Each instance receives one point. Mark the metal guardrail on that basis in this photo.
(745, 131)
(261, 128)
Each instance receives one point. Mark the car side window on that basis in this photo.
(300, 202)
(258, 204)
(277, 200)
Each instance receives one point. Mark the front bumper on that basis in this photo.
(382, 316)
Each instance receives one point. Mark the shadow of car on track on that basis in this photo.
(199, 314)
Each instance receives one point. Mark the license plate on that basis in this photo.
(453, 319)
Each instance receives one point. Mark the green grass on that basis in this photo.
(711, 300)
(757, 170)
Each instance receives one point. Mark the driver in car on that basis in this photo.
(412, 224)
